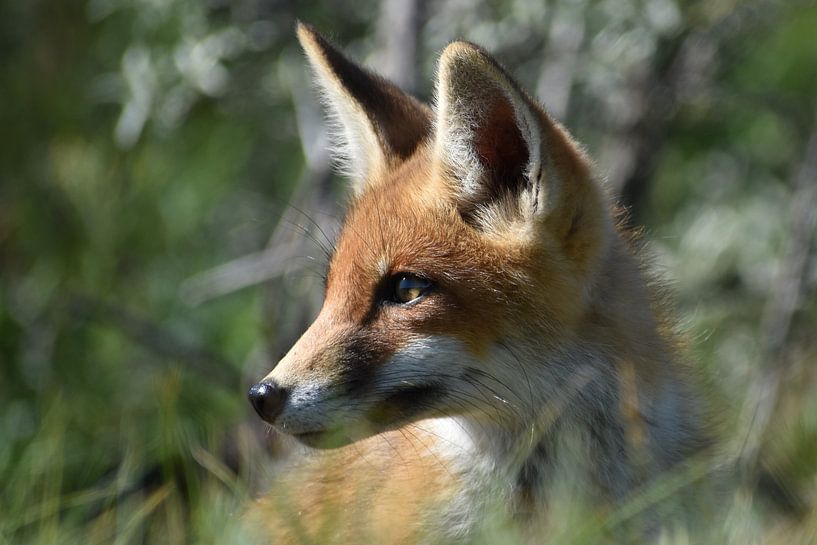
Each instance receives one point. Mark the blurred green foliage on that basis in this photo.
(146, 141)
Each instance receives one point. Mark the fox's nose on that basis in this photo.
(267, 399)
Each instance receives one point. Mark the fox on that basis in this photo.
(489, 338)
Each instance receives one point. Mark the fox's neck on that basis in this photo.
(613, 383)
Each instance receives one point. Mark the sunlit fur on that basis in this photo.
(538, 338)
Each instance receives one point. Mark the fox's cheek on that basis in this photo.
(473, 326)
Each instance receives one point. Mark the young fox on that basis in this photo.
(485, 325)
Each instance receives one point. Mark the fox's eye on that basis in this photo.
(409, 287)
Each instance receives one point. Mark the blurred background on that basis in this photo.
(165, 198)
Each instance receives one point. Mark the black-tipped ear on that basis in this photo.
(379, 125)
(500, 146)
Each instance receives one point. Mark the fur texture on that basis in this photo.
(534, 348)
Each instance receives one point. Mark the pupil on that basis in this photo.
(410, 288)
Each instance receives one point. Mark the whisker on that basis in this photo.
(329, 241)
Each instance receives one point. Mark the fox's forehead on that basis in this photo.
(398, 224)
(409, 223)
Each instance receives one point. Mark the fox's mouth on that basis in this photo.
(333, 436)
(400, 407)
(406, 404)
(323, 439)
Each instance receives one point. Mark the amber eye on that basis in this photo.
(409, 287)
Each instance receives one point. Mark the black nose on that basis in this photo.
(267, 399)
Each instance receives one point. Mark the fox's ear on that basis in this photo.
(503, 151)
(378, 125)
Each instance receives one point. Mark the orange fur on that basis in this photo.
(537, 322)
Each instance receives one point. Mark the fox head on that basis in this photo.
(464, 259)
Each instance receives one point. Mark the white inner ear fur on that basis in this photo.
(356, 151)
(467, 86)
